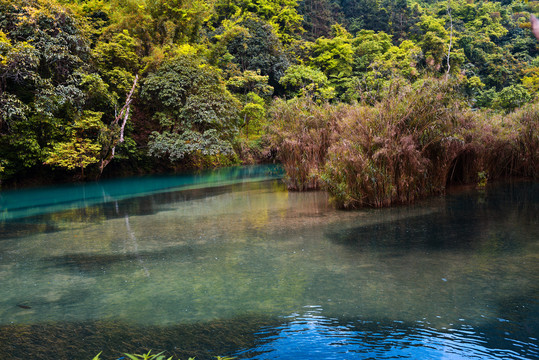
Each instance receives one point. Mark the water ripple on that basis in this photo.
(313, 336)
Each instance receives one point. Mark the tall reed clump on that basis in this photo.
(521, 155)
(302, 130)
(504, 145)
(397, 151)
(412, 144)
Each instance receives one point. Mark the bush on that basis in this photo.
(511, 147)
(302, 132)
(397, 151)
(410, 145)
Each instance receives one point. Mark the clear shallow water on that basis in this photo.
(250, 270)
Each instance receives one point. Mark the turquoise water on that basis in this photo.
(230, 263)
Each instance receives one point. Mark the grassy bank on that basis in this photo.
(412, 144)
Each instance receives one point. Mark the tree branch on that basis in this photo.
(124, 115)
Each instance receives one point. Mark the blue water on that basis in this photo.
(230, 263)
(35, 201)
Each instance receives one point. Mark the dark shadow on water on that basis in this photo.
(40, 303)
(85, 340)
(461, 224)
(91, 263)
(24, 228)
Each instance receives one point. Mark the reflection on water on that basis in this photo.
(23, 203)
(251, 270)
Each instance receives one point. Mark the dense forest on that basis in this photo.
(378, 101)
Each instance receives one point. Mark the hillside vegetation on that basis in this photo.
(377, 101)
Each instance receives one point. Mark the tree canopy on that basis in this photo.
(210, 70)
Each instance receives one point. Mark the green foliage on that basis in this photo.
(208, 70)
(150, 356)
(368, 47)
(197, 115)
(434, 41)
(508, 99)
(78, 153)
(117, 60)
(304, 80)
(282, 15)
(82, 148)
(176, 146)
(511, 97)
(177, 20)
(334, 56)
(253, 113)
(147, 356)
(186, 94)
(250, 44)
(250, 81)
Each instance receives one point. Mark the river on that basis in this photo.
(230, 263)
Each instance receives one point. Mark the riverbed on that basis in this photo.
(230, 263)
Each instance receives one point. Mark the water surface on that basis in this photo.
(242, 267)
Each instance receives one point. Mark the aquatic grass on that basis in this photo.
(414, 143)
(397, 151)
(302, 131)
(524, 159)
(505, 145)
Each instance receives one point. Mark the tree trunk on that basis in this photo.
(124, 115)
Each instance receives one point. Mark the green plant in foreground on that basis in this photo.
(147, 356)
(150, 356)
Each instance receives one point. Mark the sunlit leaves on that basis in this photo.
(282, 15)
(78, 153)
(250, 81)
(511, 97)
(82, 147)
(305, 80)
(118, 61)
(334, 56)
(253, 114)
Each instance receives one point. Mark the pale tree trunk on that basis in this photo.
(450, 39)
(535, 26)
(124, 115)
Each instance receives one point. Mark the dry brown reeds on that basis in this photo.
(302, 132)
(410, 145)
(525, 143)
(397, 151)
